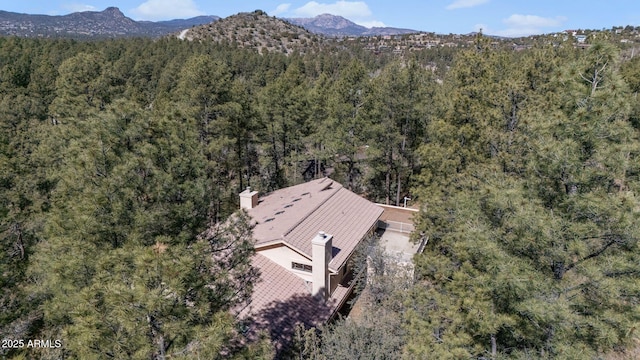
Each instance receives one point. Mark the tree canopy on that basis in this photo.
(121, 161)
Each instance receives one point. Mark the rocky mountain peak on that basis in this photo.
(335, 25)
(333, 21)
(112, 10)
(107, 23)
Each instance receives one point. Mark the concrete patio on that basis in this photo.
(397, 244)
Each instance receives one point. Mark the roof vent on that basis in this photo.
(328, 186)
(280, 212)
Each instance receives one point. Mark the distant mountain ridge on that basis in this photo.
(108, 23)
(111, 23)
(334, 25)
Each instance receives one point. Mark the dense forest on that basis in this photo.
(116, 156)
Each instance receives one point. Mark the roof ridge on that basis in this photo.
(309, 213)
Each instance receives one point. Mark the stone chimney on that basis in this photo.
(248, 199)
(321, 254)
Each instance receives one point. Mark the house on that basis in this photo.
(305, 236)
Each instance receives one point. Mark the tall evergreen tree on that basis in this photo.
(344, 131)
(396, 108)
(204, 95)
(535, 255)
(284, 117)
(125, 269)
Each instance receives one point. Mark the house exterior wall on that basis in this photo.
(336, 278)
(284, 256)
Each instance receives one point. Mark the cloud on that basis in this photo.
(525, 25)
(166, 9)
(372, 23)
(282, 8)
(460, 4)
(79, 7)
(518, 20)
(348, 9)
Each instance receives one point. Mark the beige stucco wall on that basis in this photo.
(284, 256)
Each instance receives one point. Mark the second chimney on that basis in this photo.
(321, 254)
(248, 199)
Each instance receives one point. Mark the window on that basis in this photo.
(301, 267)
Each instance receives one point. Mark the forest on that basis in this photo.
(117, 155)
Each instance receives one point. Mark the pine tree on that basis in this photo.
(344, 131)
(532, 231)
(127, 268)
(398, 116)
(284, 117)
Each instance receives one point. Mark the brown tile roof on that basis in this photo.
(280, 211)
(281, 300)
(294, 215)
(276, 283)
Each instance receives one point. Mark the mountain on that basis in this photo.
(111, 23)
(256, 30)
(330, 25)
(333, 25)
(108, 23)
(187, 23)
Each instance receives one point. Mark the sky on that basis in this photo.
(494, 17)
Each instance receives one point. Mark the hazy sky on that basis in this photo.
(495, 17)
